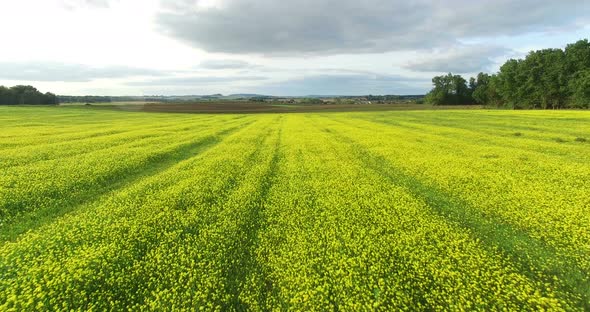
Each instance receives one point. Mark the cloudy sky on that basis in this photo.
(276, 47)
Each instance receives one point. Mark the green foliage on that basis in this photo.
(545, 79)
(579, 86)
(449, 90)
(481, 88)
(578, 56)
(89, 99)
(19, 95)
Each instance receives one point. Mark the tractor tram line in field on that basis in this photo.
(92, 145)
(361, 297)
(477, 136)
(521, 170)
(95, 186)
(533, 257)
(111, 214)
(151, 168)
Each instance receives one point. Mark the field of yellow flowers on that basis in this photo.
(407, 210)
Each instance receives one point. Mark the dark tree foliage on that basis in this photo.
(84, 99)
(25, 95)
(579, 86)
(449, 90)
(545, 79)
(481, 90)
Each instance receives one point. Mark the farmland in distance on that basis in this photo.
(384, 210)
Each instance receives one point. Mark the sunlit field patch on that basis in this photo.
(401, 210)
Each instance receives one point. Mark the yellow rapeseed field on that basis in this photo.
(378, 211)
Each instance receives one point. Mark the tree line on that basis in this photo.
(84, 99)
(545, 79)
(20, 95)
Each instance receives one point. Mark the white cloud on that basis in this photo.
(51, 71)
(254, 46)
(345, 84)
(193, 80)
(460, 59)
(77, 4)
(224, 64)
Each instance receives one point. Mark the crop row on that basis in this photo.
(301, 212)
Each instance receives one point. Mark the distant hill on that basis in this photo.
(247, 95)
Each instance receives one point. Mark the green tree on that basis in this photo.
(25, 95)
(579, 86)
(481, 92)
(472, 85)
(578, 56)
(507, 83)
(544, 81)
(449, 90)
(6, 97)
(49, 99)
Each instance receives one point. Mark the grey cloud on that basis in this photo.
(343, 72)
(292, 27)
(224, 64)
(352, 84)
(321, 84)
(271, 27)
(49, 71)
(461, 60)
(193, 81)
